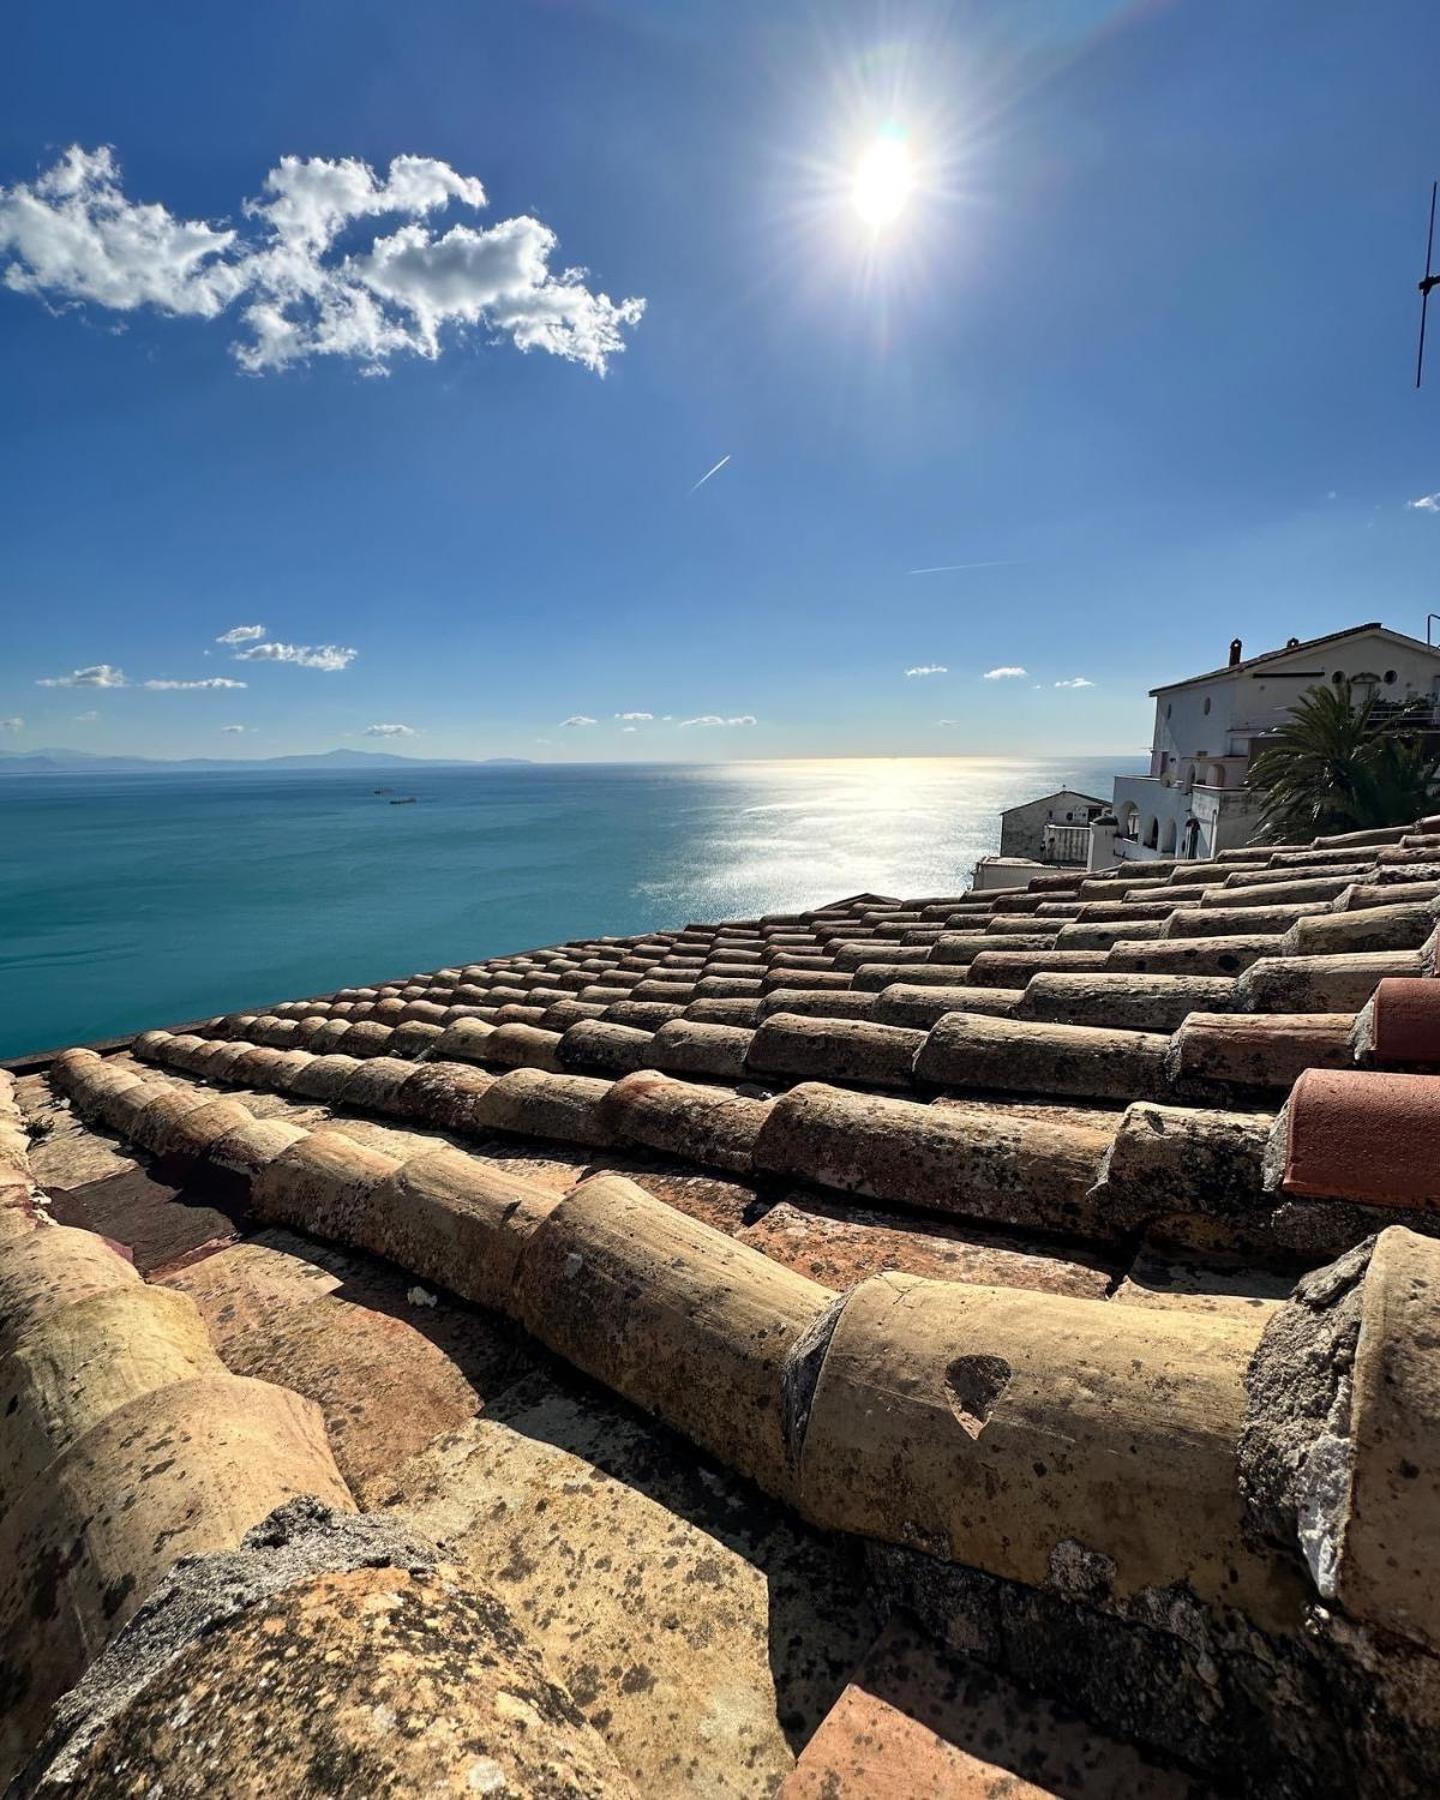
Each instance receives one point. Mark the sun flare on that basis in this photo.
(884, 180)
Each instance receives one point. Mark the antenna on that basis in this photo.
(1429, 282)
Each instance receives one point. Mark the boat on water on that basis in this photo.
(404, 800)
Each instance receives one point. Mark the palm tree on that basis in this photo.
(1328, 768)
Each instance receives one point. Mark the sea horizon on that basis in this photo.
(223, 765)
(229, 889)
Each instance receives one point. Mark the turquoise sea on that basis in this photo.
(135, 900)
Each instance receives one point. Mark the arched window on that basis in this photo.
(1152, 833)
(1207, 703)
(1167, 839)
(1129, 820)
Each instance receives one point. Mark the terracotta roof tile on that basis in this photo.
(1017, 1115)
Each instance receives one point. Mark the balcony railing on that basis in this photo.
(1068, 844)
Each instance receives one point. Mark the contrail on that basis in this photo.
(952, 568)
(708, 473)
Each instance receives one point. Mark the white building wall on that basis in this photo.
(1205, 728)
(1158, 818)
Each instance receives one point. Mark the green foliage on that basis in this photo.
(1330, 768)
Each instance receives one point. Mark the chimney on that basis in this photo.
(1234, 652)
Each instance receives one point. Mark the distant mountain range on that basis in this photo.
(83, 762)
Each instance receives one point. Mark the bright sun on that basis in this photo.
(884, 180)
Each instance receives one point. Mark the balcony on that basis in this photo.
(1066, 845)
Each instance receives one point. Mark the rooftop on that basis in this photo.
(1294, 647)
(1058, 794)
(965, 1344)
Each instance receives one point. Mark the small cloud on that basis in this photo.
(624, 729)
(1075, 681)
(947, 721)
(306, 656)
(640, 718)
(577, 719)
(716, 719)
(241, 634)
(97, 675)
(232, 730)
(1007, 672)
(12, 724)
(213, 681)
(1426, 503)
(86, 718)
(389, 731)
(928, 669)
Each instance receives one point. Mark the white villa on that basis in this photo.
(1193, 803)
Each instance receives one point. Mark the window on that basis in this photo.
(1169, 707)
(1207, 703)
(1338, 678)
(1389, 678)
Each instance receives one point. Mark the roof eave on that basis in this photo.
(1331, 637)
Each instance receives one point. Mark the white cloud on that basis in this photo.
(101, 675)
(86, 718)
(1426, 503)
(389, 731)
(1006, 672)
(12, 724)
(307, 656)
(241, 634)
(947, 721)
(627, 728)
(232, 729)
(73, 236)
(639, 718)
(715, 719)
(577, 719)
(105, 675)
(1075, 681)
(929, 669)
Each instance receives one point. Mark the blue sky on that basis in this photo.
(1140, 347)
